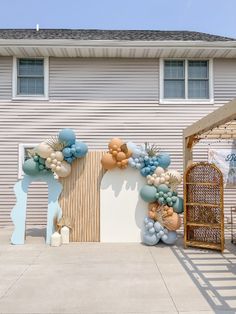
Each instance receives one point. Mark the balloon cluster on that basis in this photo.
(117, 156)
(164, 203)
(154, 232)
(147, 159)
(160, 191)
(55, 154)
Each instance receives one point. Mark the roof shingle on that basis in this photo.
(94, 34)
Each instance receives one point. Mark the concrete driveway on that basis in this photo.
(89, 278)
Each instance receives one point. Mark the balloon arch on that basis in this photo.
(160, 192)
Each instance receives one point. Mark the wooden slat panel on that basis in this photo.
(80, 198)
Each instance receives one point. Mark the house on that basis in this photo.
(137, 85)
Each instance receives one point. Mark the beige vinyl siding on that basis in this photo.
(103, 79)
(125, 114)
(5, 78)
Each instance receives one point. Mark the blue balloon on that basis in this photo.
(143, 172)
(179, 205)
(164, 160)
(70, 159)
(42, 161)
(148, 193)
(67, 152)
(158, 227)
(81, 149)
(170, 237)
(150, 239)
(31, 167)
(67, 136)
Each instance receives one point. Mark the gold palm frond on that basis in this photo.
(55, 143)
(152, 150)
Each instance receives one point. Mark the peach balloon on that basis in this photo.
(121, 156)
(172, 222)
(115, 143)
(108, 161)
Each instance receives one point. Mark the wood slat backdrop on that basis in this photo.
(80, 198)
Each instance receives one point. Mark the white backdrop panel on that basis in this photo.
(122, 211)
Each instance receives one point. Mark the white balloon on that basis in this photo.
(44, 150)
(58, 168)
(65, 169)
(159, 171)
(54, 161)
(48, 164)
(58, 163)
(162, 180)
(49, 160)
(53, 155)
(53, 167)
(157, 181)
(59, 156)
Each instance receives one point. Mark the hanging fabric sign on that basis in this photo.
(225, 160)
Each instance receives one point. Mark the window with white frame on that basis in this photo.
(186, 80)
(30, 77)
(23, 154)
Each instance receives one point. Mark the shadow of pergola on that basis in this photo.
(214, 273)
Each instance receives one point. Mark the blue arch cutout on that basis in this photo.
(18, 213)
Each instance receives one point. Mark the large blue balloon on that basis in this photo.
(81, 149)
(150, 239)
(67, 136)
(179, 205)
(164, 160)
(148, 193)
(31, 167)
(170, 237)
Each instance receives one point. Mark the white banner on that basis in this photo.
(225, 160)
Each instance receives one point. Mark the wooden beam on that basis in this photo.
(218, 117)
(188, 154)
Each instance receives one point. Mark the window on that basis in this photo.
(23, 154)
(186, 81)
(30, 78)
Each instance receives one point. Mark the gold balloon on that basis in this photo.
(108, 161)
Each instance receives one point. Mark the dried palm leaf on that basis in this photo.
(152, 150)
(55, 143)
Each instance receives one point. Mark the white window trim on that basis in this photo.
(14, 80)
(170, 101)
(21, 157)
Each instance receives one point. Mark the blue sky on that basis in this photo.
(211, 16)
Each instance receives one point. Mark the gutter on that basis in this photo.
(65, 43)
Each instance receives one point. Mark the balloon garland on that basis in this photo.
(55, 154)
(160, 191)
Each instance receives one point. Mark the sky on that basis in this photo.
(209, 16)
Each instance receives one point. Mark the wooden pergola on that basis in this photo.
(219, 124)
